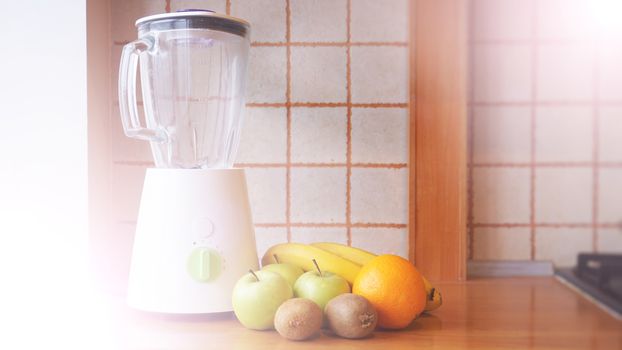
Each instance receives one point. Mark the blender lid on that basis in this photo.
(196, 19)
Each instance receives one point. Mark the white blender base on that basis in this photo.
(194, 240)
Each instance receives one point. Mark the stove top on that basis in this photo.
(600, 277)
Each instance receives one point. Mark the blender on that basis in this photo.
(194, 233)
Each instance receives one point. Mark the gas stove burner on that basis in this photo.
(602, 270)
(600, 277)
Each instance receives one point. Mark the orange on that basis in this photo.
(395, 287)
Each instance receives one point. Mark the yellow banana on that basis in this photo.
(302, 254)
(353, 254)
(434, 298)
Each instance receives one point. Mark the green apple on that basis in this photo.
(320, 286)
(257, 296)
(288, 271)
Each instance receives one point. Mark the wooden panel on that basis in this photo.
(519, 313)
(98, 109)
(438, 138)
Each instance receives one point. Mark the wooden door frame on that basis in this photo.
(438, 138)
(99, 82)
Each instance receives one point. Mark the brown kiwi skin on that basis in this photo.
(298, 319)
(351, 316)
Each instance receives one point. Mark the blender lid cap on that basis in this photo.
(191, 13)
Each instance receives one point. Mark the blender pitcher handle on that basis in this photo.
(127, 93)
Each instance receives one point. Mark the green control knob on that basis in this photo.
(204, 264)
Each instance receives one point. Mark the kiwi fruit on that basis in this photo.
(351, 316)
(298, 319)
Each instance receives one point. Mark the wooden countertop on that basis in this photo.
(534, 313)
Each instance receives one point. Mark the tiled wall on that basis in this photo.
(325, 136)
(546, 129)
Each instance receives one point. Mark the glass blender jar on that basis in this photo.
(194, 234)
(193, 76)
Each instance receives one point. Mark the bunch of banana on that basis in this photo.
(338, 258)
